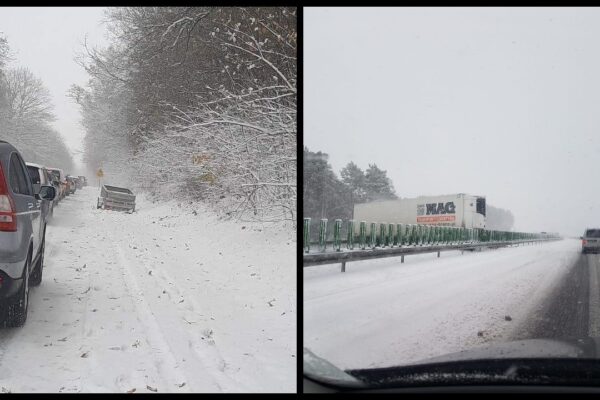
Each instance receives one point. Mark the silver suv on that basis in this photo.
(590, 241)
(22, 235)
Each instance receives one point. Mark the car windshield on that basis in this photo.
(447, 179)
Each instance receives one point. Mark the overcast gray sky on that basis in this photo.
(45, 40)
(499, 102)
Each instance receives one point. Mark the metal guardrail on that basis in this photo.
(314, 259)
(407, 239)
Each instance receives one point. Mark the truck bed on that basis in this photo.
(114, 197)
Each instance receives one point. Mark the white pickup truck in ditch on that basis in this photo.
(116, 198)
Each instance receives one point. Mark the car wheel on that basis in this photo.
(15, 312)
(36, 276)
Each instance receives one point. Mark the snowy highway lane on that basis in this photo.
(383, 313)
(167, 299)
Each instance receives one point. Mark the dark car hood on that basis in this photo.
(493, 362)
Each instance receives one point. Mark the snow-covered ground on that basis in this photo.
(167, 299)
(384, 313)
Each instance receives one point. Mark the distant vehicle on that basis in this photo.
(113, 197)
(72, 182)
(39, 177)
(56, 183)
(83, 180)
(22, 235)
(59, 175)
(461, 210)
(79, 182)
(590, 241)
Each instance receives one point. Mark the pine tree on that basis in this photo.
(377, 185)
(324, 195)
(354, 177)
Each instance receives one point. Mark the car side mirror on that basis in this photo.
(581, 237)
(47, 193)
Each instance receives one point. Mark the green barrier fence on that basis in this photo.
(373, 236)
(362, 235)
(391, 235)
(323, 235)
(350, 238)
(337, 233)
(307, 235)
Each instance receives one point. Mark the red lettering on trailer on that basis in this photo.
(441, 218)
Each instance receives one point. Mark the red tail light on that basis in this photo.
(584, 242)
(8, 217)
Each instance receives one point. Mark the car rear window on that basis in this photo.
(595, 233)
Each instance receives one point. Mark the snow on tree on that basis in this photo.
(206, 104)
(26, 113)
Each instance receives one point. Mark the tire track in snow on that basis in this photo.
(206, 350)
(108, 230)
(92, 339)
(182, 304)
(168, 365)
(199, 354)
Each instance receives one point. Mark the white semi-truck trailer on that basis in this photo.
(460, 210)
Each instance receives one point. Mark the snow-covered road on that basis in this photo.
(167, 299)
(383, 313)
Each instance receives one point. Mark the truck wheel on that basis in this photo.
(15, 309)
(36, 276)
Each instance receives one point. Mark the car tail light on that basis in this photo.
(8, 217)
(584, 242)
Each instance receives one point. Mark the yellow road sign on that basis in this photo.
(99, 173)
